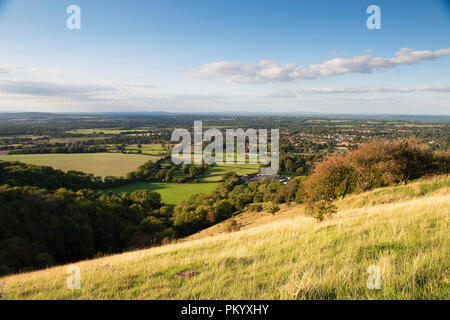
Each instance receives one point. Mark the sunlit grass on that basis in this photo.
(293, 258)
(419, 188)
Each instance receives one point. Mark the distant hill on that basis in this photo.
(27, 116)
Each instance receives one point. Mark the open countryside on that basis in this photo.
(286, 255)
(99, 164)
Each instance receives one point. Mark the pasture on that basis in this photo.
(215, 173)
(154, 149)
(171, 193)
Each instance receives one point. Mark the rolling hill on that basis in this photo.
(403, 231)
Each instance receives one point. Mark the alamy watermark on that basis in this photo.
(238, 142)
(73, 282)
(374, 20)
(374, 279)
(73, 22)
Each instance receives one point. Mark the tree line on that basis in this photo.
(39, 228)
(161, 171)
(21, 174)
(62, 148)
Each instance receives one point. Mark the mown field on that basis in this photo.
(155, 149)
(99, 164)
(216, 172)
(171, 193)
(405, 236)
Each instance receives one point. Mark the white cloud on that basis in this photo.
(375, 90)
(19, 70)
(355, 90)
(75, 96)
(79, 92)
(269, 71)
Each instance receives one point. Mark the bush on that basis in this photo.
(231, 225)
(223, 210)
(152, 225)
(443, 161)
(186, 221)
(374, 164)
(274, 209)
(411, 159)
(256, 208)
(321, 209)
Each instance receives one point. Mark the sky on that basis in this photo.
(225, 56)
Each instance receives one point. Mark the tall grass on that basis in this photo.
(298, 259)
(439, 185)
(295, 258)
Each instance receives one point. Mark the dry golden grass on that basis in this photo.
(250, 219)
(291, 258)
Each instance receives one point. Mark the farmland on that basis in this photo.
(171, 193)
(105, 131)
(99, 164)
(273, 228)
(152, 149)
(216, 172)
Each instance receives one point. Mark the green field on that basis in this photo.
(148, 149)
(215, 173)
(105, 131)
(171, 193)
(99, 164)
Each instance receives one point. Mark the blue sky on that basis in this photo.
(199, 55)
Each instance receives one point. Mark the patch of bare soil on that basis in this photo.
(186, 274)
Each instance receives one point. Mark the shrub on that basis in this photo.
(321, 209)
(374, 164)
(231, 225)
(223, 209)
(274, 209)
(411, 159)
(443, 161)
(187, 222)
(152, 225)
(256, 208)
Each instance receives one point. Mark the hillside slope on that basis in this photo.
(418, 189)
(405, 234)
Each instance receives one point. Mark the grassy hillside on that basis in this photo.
(290, 257)
(419, 188)
(99, 164)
